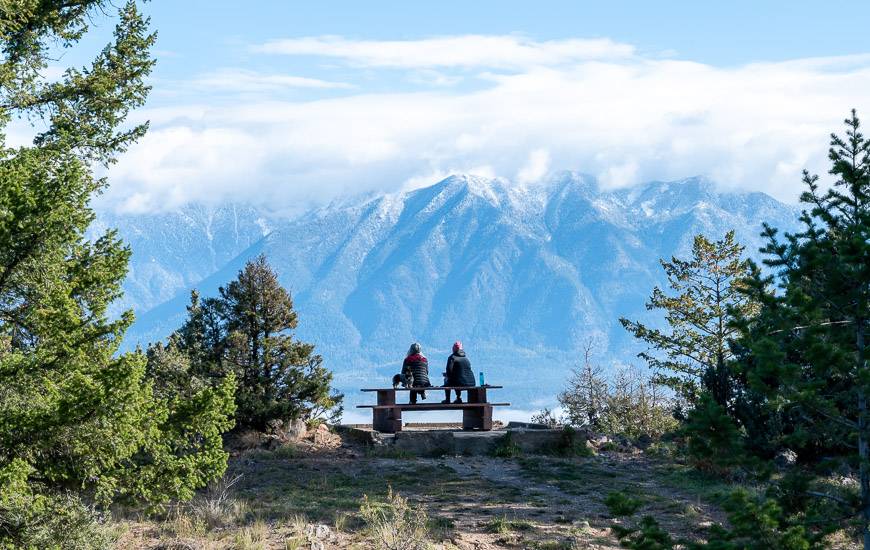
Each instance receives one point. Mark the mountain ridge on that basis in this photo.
(522, 274)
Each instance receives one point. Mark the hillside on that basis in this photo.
(522, 274)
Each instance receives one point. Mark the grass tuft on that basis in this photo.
(621, 504)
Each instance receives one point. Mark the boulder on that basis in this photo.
(296, 429)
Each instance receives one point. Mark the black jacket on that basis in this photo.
(417, 366)
(459, 371)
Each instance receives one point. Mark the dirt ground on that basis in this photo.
(309, 497)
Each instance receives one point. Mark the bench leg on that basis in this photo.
(387, 421)
(476, 395)
(477, 418)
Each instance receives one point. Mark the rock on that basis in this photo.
(785, 458)
(318, 536)
(296, 429)
(323, 436)
(599, 440)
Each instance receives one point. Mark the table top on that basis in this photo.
(436, 388)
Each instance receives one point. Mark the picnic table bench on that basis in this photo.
(476, 410)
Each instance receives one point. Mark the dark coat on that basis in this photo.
(459, 371)
(417, 367)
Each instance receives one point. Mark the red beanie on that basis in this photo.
(457, 345)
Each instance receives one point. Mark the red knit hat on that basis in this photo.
(457, 345)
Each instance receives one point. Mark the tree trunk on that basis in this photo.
(863, 447)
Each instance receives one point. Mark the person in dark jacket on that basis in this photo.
(415, 371)
(458, 372)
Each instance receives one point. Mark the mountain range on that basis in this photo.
(522, 274)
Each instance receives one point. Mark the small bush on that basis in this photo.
(288, 450)
(32, 520)
(546, 418)
(629, 403)
(571, 444)
(394, 524)
(441, 528)
(621, 504)
(506, 447)
(503, 525)
(648, 536)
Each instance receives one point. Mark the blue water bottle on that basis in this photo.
(481, 379)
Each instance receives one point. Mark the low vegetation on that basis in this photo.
(393, 524)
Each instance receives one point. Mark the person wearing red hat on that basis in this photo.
(458, 373)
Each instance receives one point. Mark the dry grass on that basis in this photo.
(253, 537)
(217, 507)
(393, 524)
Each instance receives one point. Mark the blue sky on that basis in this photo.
(719, 33)
(293, 103)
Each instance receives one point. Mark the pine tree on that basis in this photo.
(247, 331)
(808, 344)
(694, 352)
(79, 422)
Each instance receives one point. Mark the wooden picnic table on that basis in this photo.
(476, 410)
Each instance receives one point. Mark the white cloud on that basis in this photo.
(451, 51)
(624, 120)
(240, 80)
(536, 168)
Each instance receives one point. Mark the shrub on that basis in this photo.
(629, 404)
(503, 525)
(621, 504)
(546, 418)
(505, 447)
(394, 524)
(756, 523)
(55, 521)
(648, 536)
(571, 444)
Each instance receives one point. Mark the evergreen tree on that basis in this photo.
(77, 419)
(246, 331)
(694, 351)
(808, 344)
(198, 411)
(585, 398)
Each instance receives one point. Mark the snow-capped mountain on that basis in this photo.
(173, 251)
(521, 274)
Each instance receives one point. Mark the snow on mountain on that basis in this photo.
(521, 274)
(175, 250)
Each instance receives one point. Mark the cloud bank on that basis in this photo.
(503, 106)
